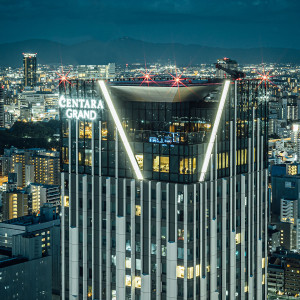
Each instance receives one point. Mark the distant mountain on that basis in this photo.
(127, 50)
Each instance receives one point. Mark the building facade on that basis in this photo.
(30, 256)
(29, 64)
(164, 189)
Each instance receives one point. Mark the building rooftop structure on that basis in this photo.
(160, 164)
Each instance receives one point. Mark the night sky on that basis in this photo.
(219, 23)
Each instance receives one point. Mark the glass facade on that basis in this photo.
(167, 236)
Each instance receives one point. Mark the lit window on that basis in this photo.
(208, 268)
(104, 131)
(138, 210)
(161, 164)
(263, 262)
(238, 238)
(66, 201)
(180, 272)
(128, 280)
(180, 234)
(128, 262)
(197, 270)
(140, 160)
(138, 282)
(90, 291)
(88, 157)
(246, 289)
(81, 130)
(222, 160)
(190, 273)
(187, 165)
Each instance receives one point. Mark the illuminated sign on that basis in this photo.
(80, 108)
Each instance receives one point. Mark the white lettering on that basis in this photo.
(100, 105)
(81, 102)
(93, 115)
(69, 113)
(80, 114)
(86, 114)
(80, 108)
(93, 104)
(75, 114)
(74, 102)
(62, 101)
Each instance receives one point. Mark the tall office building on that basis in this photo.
(29, 64)
(164, 189)
(2, 120)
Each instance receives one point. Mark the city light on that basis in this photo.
(121, 130)
(214, 131)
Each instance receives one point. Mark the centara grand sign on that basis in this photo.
(80, 108)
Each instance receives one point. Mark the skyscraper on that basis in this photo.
(164, 189)
(29, 64)
(2, 120)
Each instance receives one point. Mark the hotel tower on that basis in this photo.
(164, 188)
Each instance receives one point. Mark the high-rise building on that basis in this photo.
(29, 64)
(31, 267)
(15, 204)
(164, 189)
(46, 168)
(2, 120)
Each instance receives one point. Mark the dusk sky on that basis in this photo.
(219, 23)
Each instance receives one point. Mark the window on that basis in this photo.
(180, 234)
(153, 248)
(66, 201)
(223, 160)
(128, 280)
(238, 238)
(128, 263)
(197, 270)
(88, 157)
(180, 272)
(187, 165)
(138, 282)
(161, 164)
(138, 210)
(180, 253)
(190, 272)
(138, 264)
(140, 160)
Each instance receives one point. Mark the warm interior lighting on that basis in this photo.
(197, 270)
(161, 164)
(138, 210)
(138, 282)
(121, 130)
(190, 273)
(238, 238)
(187, 165)
(180, 272)
(214, 130)
(140, 160)
(128, 263)
(128, 280)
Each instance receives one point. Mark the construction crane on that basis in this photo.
(234, 73)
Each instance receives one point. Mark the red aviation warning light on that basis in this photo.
(63, 78)
(264, 77)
